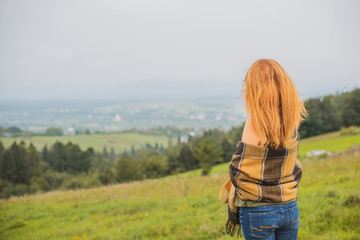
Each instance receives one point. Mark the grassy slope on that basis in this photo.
(332, 142)
(119, 142)
(181, 207)
(178, 209)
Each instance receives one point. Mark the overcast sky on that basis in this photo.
(103, 49)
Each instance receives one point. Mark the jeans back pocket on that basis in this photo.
(262, 223)
(294, 217)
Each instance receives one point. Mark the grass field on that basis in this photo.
(186, 206)
(332, 142)
(119, 142)
(181, 208)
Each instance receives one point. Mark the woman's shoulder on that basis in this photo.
(249, 135)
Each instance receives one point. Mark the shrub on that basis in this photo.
(5, 188)
(352, 130)
(55, 179)
(72, 182)
(39, 184)
(19, 190)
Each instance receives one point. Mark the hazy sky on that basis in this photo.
(103, 49)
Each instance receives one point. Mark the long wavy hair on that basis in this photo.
(272, 102)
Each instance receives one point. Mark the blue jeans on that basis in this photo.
(280, 221)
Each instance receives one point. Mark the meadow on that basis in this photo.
(332, 142)
(184, 207)
(120, 142)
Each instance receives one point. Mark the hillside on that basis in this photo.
(182, 208)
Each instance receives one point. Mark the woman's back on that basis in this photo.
(264, 169)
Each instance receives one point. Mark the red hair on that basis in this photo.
(272, 102)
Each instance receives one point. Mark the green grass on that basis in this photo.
(119, 142)
(332, 142)
(186, 206)
(181, 208)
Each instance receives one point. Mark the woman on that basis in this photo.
(261, 191)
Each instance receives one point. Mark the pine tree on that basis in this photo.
(207, 152)
(8, 167)
(186, 159)
(227, 149)
(351, 109)
(45, 153)
(18, 155)
(2, 149)
(33, 161)
(112, 155)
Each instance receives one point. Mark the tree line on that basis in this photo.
(331, 113)
(24, 169)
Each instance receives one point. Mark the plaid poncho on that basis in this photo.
(260, 174)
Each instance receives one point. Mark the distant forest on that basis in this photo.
(25, 170)
(330, 113)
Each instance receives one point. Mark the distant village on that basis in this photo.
(115, 118)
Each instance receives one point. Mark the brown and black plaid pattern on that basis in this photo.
(261, 174)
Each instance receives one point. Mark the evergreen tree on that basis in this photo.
(8, 167)
(18, 155)
(351, 109)
(235, 133)
(314, 124)
(215, 135)
(172, 161)
(45, 154)
(186, 159)
(112, 155)
(207, 152)
(57, 157)
(2, 149)
(34, 162)
(76, 160)
(227, 149)
(331, 119)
